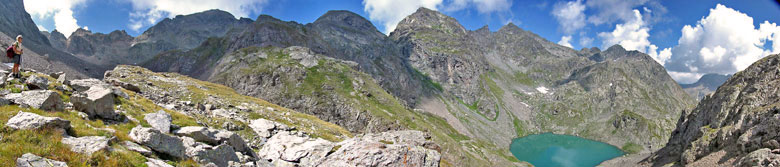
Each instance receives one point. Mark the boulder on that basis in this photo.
(37, 82)
(25, 120)
(38, 99)
(137, 148)
(32, 160)
(97, 102)
(215, 137)
(760, 157)
(406, 148)
(151, 162)
(159, 120)
(87, 144)
(158, 141)
(264, 128)
(203, 153)
(285, 149)
(81, 85)
(61, 79)
(56, 74)
(128, 86)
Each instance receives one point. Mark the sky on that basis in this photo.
(689, 38)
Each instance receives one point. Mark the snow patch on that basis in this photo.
(542, 89)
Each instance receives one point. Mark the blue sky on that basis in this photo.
(712, 44)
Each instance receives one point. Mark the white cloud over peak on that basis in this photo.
(483, 6)
(570, 16)
(61, 11)
(725, 41)
(633, 35)
(390, 12)
(41, 28)
(148, 12)
(685, 77)
(565, 41)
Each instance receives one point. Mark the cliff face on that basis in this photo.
(735, 126)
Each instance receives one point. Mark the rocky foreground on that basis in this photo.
(171, 120)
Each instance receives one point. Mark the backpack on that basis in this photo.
(10, 52)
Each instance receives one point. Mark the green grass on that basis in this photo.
(523, 78)
(631, 148)
(519, 130)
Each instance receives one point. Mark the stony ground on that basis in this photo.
(135, 117)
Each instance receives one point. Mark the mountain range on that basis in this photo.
(469, 91)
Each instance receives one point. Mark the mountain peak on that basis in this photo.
(213, 14)
(347, 18)
(430, 19)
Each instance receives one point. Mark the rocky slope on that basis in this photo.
(489, 87)
(514, 79)
(135, 117)
(705, 85)
(735, 126)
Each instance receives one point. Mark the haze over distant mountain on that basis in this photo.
(705, 85)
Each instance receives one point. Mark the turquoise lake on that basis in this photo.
(547, 149)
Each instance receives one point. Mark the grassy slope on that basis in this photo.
(46, 142)
(458, 150)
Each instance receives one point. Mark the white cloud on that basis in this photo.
(61, 11)
(390, 12)
(725, 41)
(41, 28)
(685, 77)
(633, 35)
(570, 16)
(565, 41)
(148, 12)
(585, 41)
(483, 6)
(608, 11)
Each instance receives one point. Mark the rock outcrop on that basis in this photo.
(159, 120)
(87, 144)
(399, 148)
(215, 137)
(32, 160)
(97, 102)
(38, 99)
(25, 120)
(158, 141)
(737, 125)
(37, 82)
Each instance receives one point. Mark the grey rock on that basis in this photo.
(137, 148)
(25, 120)
(87, 144)
(203, 153)
(287, 149)
(406, 149)
(97, 102)
(38, 99)
(128, 86)
(81, 85)
(159, 120)
(230, 126)
(151, 162)
(62, 79)
(32, 160)
(760, 157)
(158, 141)
(263, 128)
(56, 74)
(37, 82)
(215, 137)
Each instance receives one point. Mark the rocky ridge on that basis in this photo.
(735, 126)
(183, 133)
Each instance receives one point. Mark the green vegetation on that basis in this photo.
(523, 78)
(631, 148)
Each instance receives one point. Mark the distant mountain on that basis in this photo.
(705, 85)
(488, 86)
(736, 126)
(183, 32)
(39, 54)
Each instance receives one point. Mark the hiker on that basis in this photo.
(17, 59)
